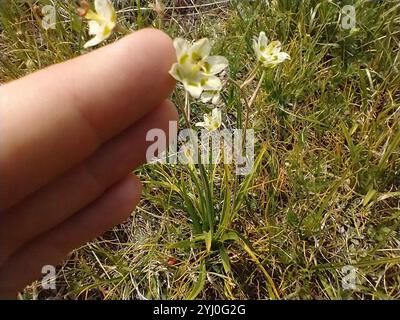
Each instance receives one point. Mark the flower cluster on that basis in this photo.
(197, 70)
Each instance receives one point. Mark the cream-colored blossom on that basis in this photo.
(101, 23)
(269, 54)
(212, 121)
(189, 155)
(196, 69)
(212, 96)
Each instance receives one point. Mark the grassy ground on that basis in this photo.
(324, 195)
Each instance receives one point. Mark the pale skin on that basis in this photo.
(70, 136)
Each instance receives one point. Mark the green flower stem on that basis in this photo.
(254, 96)
(250, 103)
(187, 107)
(251, 77)
(203, 184)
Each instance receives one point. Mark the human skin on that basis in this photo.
(70, 136)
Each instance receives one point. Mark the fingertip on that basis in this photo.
(158, 38)
(156, 47)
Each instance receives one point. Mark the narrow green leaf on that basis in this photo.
(370, 195)
(208, 239)
(201, 282)
(243, 190)
(226, 263)
(246, 245)
(227, 213)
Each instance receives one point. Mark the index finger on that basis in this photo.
(55, 118)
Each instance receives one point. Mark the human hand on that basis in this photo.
(70, 136)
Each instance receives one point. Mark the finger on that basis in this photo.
(81, 185)
(113, 208)
(57, 117)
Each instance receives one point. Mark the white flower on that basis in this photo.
(269, 54)
(212, 96)
(101, 23)
(188, 156)
(212, 121)
(196, 69)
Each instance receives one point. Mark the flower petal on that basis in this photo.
(93, 42)
(206, 96)
(107, 30)
(195, 90)
(174, 72)
(274, 47)
(181, 47)
(217, 115)
(262, 40)
(282, 56)
(212, 84)
(215, 64)
(200, 124)
(105, 9)
(216, 98)
(91, 15)
(200, 49)
(212, 96)
(94, 27)
(256, 48)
